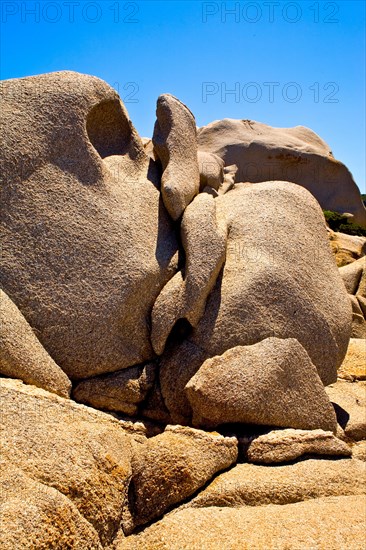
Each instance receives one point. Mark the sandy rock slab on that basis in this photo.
(170, 467)
(79, 452)
(35, 516)
(349, 400)
(334, 522)
(287, 445)
(354, 364)
(257, 485)
(272, 382)
(120, 391)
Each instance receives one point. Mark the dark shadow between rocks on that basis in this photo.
(342, 415)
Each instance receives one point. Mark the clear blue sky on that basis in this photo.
(288, 63)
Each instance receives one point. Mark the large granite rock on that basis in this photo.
(333, 522)
(171, 466)
(279, 279)
(296, 154)
(82, 453)
(272, 383)
(87, 244)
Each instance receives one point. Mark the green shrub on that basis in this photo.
(339, 222)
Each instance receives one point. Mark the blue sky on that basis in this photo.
(286, 63)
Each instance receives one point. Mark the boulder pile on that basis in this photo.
(174, 324)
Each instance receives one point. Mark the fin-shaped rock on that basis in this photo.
(203, 235)
(175, 143)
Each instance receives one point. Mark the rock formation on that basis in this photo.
(144, 279)
(297, 154)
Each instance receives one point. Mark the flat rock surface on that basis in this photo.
(256, 485)
(333, 522)
(286, 445)
(81, 452)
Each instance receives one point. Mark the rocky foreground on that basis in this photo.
(183, 360)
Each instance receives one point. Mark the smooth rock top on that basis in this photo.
(264, 153)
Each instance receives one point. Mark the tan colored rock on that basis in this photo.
(120, 391)
(333, 522)
(354, 364)
(87, 244)
(211, 169)
(347, 248)
(279, 280)
(175, 144)
(35, 516)
(81, 452)
(359, 450)
(351, 274)
(350, 406)
(362, 303)
(255, 485)
(271, 383)
(22, 355)
(170, 467)
(203, 237)
(287, 445)
(297, 155)
(358, 326)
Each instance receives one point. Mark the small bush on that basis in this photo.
(338, 222)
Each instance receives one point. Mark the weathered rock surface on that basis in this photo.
(297, 155)
(120, 391)
(23, 356)
(354, 364)
(82, 453)
(185, 295)
(254, 485)
(82, 266)
(359, 450)
(175, 143)
(279, 279)
(211, 169)
(352, 273)
(171, 466)
(347, 248)
(350, 406)
(287, 445)
(271, 383)
(333, 522)
(35, 516)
